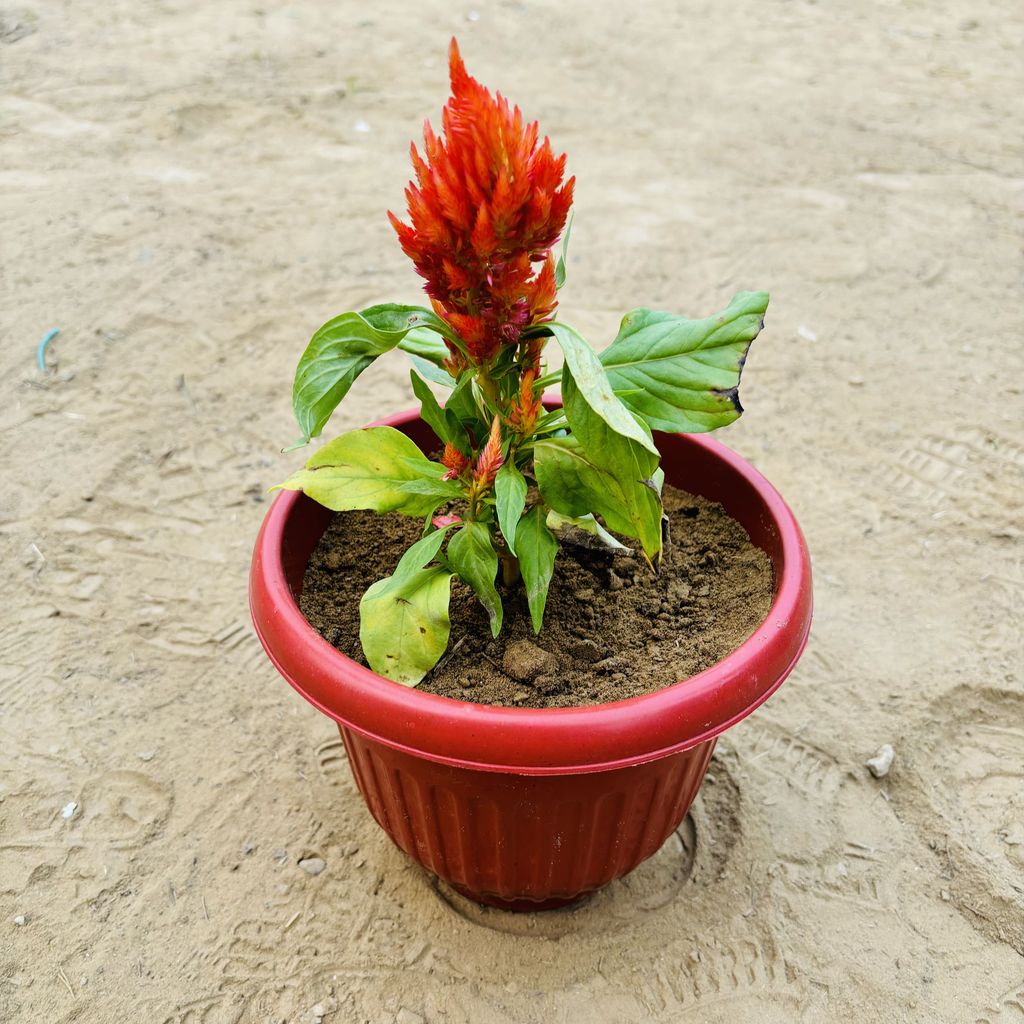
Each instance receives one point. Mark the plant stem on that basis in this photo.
(509, 568)
(489, 389)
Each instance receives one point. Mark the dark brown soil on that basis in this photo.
(612, 629)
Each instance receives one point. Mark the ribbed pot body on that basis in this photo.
(525, 842)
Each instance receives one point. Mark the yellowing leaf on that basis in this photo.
(377, 468)
(404, 624)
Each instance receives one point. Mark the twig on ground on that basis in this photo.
(67, 984)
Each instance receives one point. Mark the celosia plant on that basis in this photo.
(488, 206)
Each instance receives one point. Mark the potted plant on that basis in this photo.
(521, 807)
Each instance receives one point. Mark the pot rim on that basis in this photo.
(539, 741)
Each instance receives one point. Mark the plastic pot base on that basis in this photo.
(524, 906)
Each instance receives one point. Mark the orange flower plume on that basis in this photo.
(526, 408)
(490, 460)
(454, 461)
(487, 204)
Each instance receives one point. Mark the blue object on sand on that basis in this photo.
(41, 350)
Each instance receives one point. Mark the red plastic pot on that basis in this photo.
(529, 808)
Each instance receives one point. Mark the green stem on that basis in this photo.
(489, 388)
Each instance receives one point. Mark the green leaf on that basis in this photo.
(510, 500)
(404, 624)
(556, 521)
(474, 560)
(336, 354)
(554, 420)
(560, 265)
(573, 484)
(423, 344)
(583, 366)
(425, 339)
(683, 375)
(377, 468)
(598, 470)
(346, 345)
(462, 403)
(424, 325)
(446, 427)
(420, 554)
(537, 548)
(431, 372)
(447, 421)
(438, 490)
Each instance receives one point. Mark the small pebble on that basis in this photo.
(147, 755)
(280, 856)
(361, 126)
(806, 333)
(69, 810)
(880, 764)
(20, 920)
(312, 865)
(248, 847)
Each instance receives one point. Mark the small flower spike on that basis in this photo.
(489, 461)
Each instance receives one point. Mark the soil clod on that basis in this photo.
(525, 661)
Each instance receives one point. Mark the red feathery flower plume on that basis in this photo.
(488, 202)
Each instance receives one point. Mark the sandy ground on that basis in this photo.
(189, 189)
